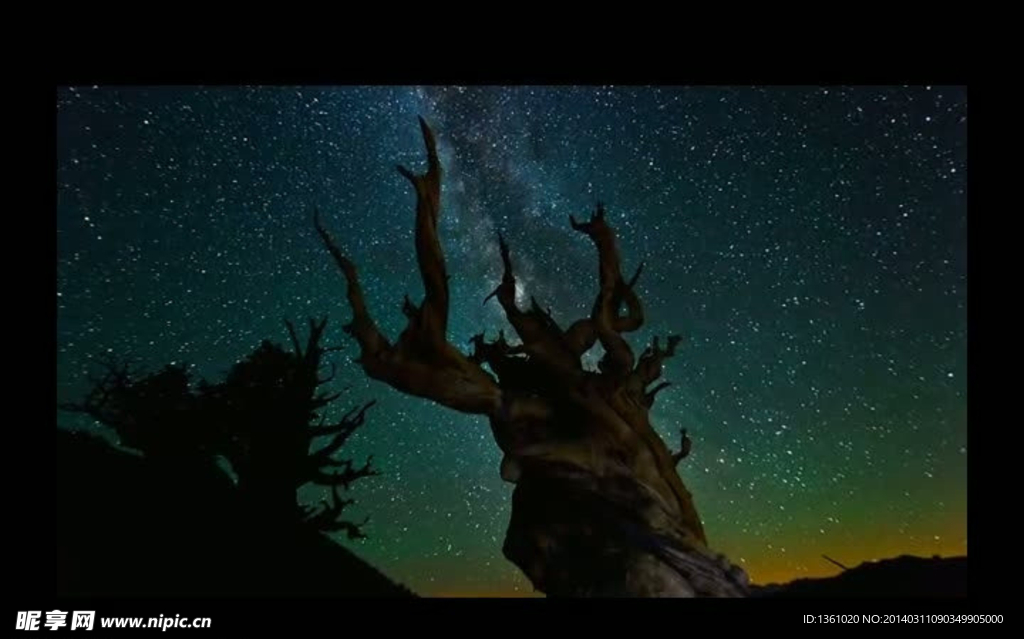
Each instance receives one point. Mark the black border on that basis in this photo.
(34, 569)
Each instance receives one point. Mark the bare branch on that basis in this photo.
(329, 378)
(619, 356)
(344, 477)
(329, 518)
(650, 395)
(434, 310)
(422, 362)
(648, 369)
(634, 318)
(541, 337)
(313, 349)
(371, 341)
(324, 399)
(115, 381)
(294, 337)
(685, 444)
(345, 426)
(409, 309)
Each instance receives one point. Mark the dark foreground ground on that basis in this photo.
(904, 576)
(127, 528)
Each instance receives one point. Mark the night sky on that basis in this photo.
(809, 243)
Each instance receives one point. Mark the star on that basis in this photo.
(772, 224)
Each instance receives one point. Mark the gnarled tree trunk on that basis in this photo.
(598, 508)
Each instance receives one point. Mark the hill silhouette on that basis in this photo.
(160, 513)
(127, 527)
(904, 576)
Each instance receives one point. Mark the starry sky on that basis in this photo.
(808, 242)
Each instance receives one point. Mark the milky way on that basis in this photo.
(808, 243)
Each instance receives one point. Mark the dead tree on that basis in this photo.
(598, 507)
(268, 418)
(278, 412)
(149, 413)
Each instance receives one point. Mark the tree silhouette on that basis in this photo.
(598, 508)
(260, 418)
(154, 413)
(277, 412)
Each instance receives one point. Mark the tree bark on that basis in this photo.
(599, 508)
